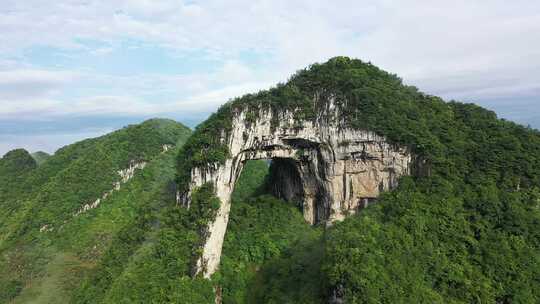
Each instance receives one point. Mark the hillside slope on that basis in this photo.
(57, 230)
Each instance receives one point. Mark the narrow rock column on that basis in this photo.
(223, 182)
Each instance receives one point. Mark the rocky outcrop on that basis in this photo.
(330, 170)
(125, 175)
(166, 148)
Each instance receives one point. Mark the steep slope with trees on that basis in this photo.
(50, 241)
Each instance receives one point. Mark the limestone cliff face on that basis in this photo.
(331, 170)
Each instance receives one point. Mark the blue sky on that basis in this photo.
(74, 69)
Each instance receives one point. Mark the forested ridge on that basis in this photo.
(45, 249)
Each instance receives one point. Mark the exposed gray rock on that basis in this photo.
(331, 170)
(125, 176)
(337, 295)
(166, 148)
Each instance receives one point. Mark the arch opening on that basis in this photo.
(284, 181)
(294, 180)
(285, 178)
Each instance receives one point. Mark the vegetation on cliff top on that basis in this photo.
(369, 98)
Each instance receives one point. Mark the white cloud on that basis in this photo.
(26, 84)
(15, 77)
(417, 39)
(34, 94)
(37, 109)
(102, 51)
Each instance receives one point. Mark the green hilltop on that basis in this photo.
(40, 157)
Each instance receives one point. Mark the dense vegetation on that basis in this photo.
(270, 254)
(467, 233)
(150, 259)
(464, 229)
(40, 157)
(82, 172)
(15, 167)
(43, 263)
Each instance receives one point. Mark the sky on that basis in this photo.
(73, 69)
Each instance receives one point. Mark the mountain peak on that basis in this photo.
(40, 157)
(18, 159)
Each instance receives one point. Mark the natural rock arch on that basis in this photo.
(340, 169)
